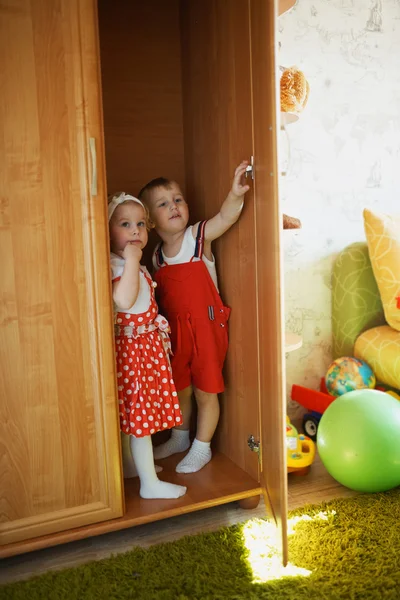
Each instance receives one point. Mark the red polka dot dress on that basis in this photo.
(148, 401)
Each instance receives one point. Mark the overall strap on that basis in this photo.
(159, 256)
(199, 248)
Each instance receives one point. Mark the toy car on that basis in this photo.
(316, 402)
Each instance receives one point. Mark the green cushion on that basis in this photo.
(356, 303)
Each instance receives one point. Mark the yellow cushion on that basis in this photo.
(383, 237)
(380, 348)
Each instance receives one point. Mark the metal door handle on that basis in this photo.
(249, 169)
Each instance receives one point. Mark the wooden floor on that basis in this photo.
(315, 487)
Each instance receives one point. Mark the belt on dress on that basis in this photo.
(132, 331)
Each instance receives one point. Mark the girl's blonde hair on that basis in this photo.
(119, 198)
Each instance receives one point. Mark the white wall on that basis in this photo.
(345, 154)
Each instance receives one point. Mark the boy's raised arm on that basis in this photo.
(231, 207)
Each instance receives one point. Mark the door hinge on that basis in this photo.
(253, 445)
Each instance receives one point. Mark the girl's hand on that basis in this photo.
(126, 289)
(238, 189)
(132, 251)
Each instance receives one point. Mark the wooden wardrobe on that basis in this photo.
(99, 97)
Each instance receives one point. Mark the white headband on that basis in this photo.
(117, 200)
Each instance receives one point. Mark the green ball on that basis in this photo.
(358, 440)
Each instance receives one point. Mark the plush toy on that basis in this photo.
(294, 90)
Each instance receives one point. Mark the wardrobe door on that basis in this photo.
(60, 460)
(268, 221)
(218, 136)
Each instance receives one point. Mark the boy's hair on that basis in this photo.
(153, 184)
(148, 221)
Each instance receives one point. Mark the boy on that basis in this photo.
(188, 297)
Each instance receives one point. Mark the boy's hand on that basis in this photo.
(132, 251)
(238, 189)
(229, 212)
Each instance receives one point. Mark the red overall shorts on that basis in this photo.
(188, 298)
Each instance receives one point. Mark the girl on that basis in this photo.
(147, 397)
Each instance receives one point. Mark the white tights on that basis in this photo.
(141, 450)
(128, 463)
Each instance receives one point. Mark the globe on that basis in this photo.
(347, 374)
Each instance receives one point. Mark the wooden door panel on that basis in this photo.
(58, 413)
(269, 261)
(218, 136)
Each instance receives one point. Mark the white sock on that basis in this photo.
(128, 464)
(197, 457)
(178, 442)
(150, 485)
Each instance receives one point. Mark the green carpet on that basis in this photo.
(346, 549)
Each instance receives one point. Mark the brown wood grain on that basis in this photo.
(142, 98)
(218, 136)
(194, 125)
(59, 459)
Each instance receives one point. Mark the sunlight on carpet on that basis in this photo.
(262, 540)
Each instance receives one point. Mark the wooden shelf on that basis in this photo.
(315, 487)
(285, 5)
(292, 230)
(220, 481)
(292, 341)
(288, 117)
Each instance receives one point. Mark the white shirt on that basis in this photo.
(185, 255)
(144, 297)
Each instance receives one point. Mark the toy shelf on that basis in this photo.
(288, 117)
(292, 341)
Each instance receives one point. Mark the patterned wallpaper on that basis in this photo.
(344, 154)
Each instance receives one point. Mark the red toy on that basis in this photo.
(316, 402)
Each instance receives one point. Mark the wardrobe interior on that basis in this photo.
(177, 103)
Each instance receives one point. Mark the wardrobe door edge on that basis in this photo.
(263, 27)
